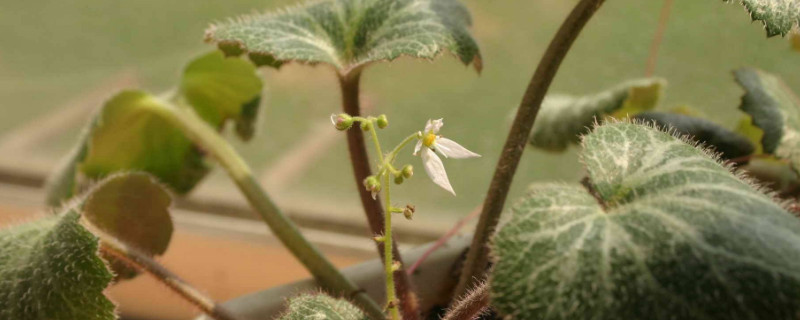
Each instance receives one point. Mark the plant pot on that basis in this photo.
(432, 281)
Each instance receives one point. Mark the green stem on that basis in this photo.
(478, 256)
(388, 263)
(323, 270)
(390, 157)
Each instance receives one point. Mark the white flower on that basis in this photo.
(446, 147)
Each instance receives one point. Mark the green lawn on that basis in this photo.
(54, 50)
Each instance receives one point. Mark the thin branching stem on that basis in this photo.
(140, 261)
(658, 38)
(478, 256)
(349, 85)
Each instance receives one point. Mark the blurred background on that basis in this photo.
(59, 60)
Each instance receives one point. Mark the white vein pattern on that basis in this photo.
(778, 16)
(672, 235)
(321, 307)
(350, 33)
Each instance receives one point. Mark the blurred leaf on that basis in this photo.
(221, 88)
(661, 231)
(133, 208)
(775, 175)
(49, 269)
(775, 110)
(794, 39)
(688, 111)
(729, 144)
(320, 306)
(563, 119)
(778, 16)
(348, 34)
(129, 133)
(746, 128)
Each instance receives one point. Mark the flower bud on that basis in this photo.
(383, 122)
(398, 179)
(372, 185)
(408, 212)
(342, 121)
(366, 125)
(396, 265)
(408, 171)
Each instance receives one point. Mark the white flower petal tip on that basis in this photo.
(433, 125)
(417, 147)
(452, 149)
(435, 170)
(333, 118)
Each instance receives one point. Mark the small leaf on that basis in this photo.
(729, 144)
(320, 306)
(664, 232)
(778, 16)
(220, 88)
(775, 110)
(746, 128)
(130, 132)
(351, 33)
(563, 119)
(132, 208)
(49, 269)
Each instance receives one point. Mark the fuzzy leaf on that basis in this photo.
(320, 306)
(729, 144)
(778, 16)
(49, 269)
(129, 134)
(775, 109)
(132, 208)
(350, 33)
(667, 232)
(562, 119)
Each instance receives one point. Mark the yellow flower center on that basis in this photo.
(428, 140)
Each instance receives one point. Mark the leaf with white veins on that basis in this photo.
(666, 232)
(778, 16)
(351, 33)
(320, 306)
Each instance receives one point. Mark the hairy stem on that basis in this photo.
(474, 304)
(284, 229)
(388, 263)
(477, 258)
(349, 85)
(652, 58)
(140, 261)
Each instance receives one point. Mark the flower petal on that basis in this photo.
(435, 169)
(433, 126)
(452, 149)
(417, 147)
(334, 117)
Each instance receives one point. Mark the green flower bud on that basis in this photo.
(366, 125)
(372, 185)
(398, 179)
(342, 121)
(383, 122)
(408, 171)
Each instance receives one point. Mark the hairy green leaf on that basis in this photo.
(778, 16)
(661, 231)
(49, 269)
(320, 306)
(775, 110)
(128, 133)
(133, 208)
(562, 119)
(351, 33)
(727, 143)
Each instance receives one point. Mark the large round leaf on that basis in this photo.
(662, 231)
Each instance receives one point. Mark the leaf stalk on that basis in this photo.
(478, 256)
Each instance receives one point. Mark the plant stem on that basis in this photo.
(477, 258)
(475, 303)
(652, 58)
(323, 270)
(138, 260)
(349, 85)
(388, 262)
